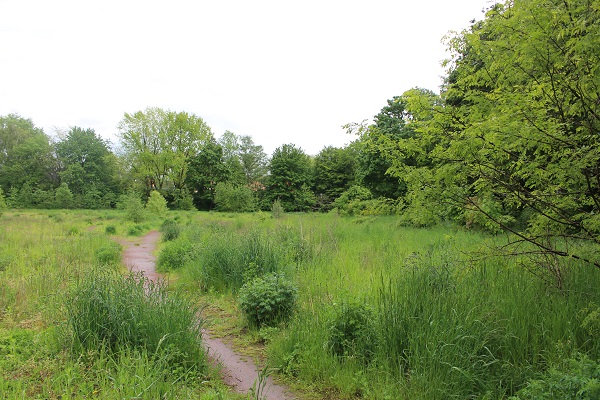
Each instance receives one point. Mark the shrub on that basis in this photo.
(132, 204)
(352, 332)
(110, 230)
(268, 300)
(577, 378)
(170, 230)
(174, 255)
(109, 254)
(156, 205)
(135, 230)
(3, 205)
(277, 209)
(229, 197)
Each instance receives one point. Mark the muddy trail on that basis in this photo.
(237, 372)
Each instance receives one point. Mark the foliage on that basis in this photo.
(351, 198)
(110, 230)
(63, 197)
(225, 261)
(25, 154)
(523, 90)
(234, 198)
(277, 210)
(3, 205)
(160, 143)
(575, 378)
(133, 206)
(183, 200)
(109, 254)
(253, 160)
(174, 254)
(334, 172)
(170, 230)
(205, 170)
(156, 205)
(352, 332)
(119, 314)
(87, 166)
(290, 178)
(268, 299)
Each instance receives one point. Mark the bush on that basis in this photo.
(229, 197)
(170, 230)
(132, 204)
(268, 300)
(352, 332)
(578, 378)
(135, 230)
(156, 205)
(109, 254)
(174, 255)
(3, 205)
(277, 209)
(110, 230)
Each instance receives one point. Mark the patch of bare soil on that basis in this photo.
(238, 372)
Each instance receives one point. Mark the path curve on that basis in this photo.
(239, 373)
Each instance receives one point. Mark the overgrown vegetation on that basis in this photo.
(390, 311)
(72, 326)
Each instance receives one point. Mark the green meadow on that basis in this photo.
(350, 307)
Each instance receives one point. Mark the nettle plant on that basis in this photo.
(268, 300)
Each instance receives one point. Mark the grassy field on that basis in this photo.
(72, 327)
(381, 311)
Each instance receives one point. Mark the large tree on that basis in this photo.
(334, 173)
(524, 91)
(25, 155)
(88, 167)
(290, 178)
(160, 143)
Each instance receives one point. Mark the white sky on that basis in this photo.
(279, 71)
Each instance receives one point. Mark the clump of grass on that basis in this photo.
(135, 230)
(119, 314)
(110, 230)
(174, 255)
(226, 261)
(109, 254)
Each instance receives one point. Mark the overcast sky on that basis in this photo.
(279, 71)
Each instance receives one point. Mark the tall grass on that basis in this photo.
(144, 341)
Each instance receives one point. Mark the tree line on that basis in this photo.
(511, 143)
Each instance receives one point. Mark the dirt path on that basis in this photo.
(239, 373)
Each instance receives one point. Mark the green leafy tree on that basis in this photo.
(334, 173)
(88, 167)
(206, 169)
(523, 96)
(3, 205)
(159, 145)
(234, 198)
(63, 197)
(253, 159)
(156, 205)
(290, 178)
(26, 155)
